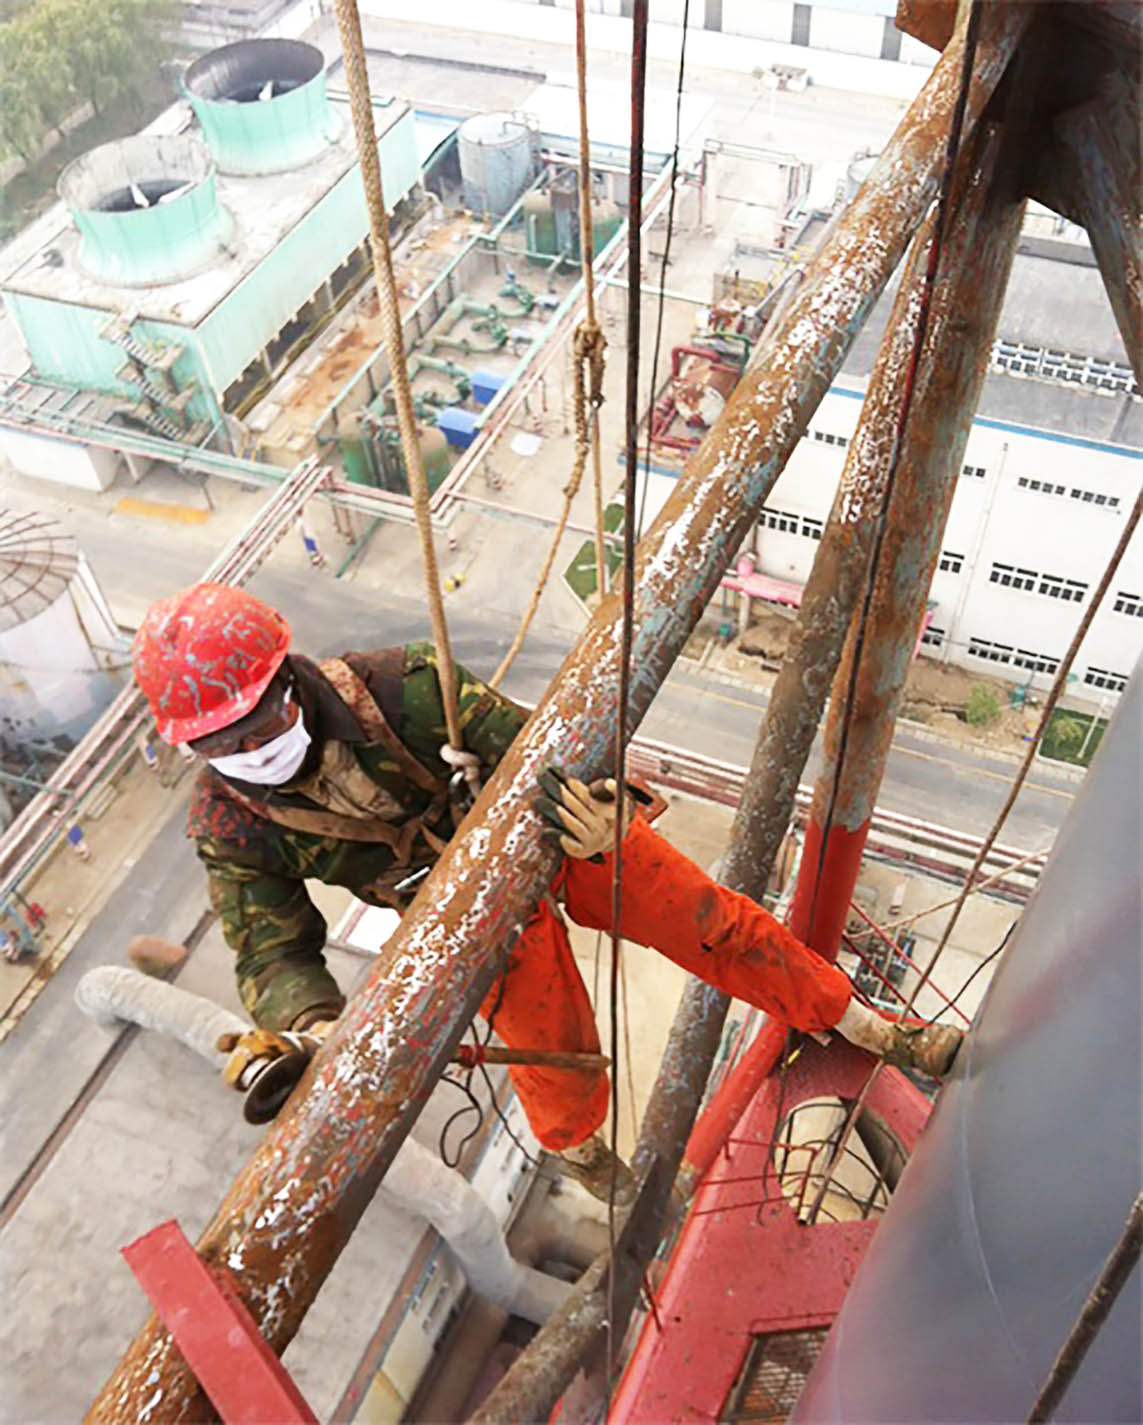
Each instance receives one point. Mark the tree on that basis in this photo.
(92, 45)
(21, 122)
(1067, 735)
(46, 67)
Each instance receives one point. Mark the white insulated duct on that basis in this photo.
(417, 1181)
(116, 994)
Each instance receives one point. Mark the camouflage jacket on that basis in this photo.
(257, 867)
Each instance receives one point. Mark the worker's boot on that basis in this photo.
(592, 1164)
(928, 1048)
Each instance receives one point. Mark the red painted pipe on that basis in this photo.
(731, 1100)
(819, 919)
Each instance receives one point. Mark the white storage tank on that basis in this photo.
(495, 161)
(62, 657)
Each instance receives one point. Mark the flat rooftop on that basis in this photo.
(265, 208)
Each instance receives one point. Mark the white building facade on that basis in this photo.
(1035, 518)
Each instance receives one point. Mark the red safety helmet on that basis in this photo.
(205, 656)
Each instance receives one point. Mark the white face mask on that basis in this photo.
(271, 764)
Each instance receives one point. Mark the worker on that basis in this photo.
(341, 772)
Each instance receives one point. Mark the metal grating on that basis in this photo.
(776, 1368)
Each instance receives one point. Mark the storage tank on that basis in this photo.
(146, 209)
(262, 104)
(495, 161)
(61, 655)
(1028, 1168)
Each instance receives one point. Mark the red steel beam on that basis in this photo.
(979, 247)
(244, 1380)
(293, 1207)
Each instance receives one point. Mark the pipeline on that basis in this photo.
(417, 1182)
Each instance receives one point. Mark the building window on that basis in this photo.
(1034, 662)
(1041, 487)
(977, 471)
(1101, 678)
(1018, 359)
(782, 522)
(1126, 603)
(990, 652)
(828, 438)
(811, 527)
(1093, 497)
(933, 637)
(1013, 577)
(950, 563)
(1071, 591)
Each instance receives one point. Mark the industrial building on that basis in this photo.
(816, 1235)
(189, 270)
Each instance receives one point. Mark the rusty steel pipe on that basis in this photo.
(1098, 152)
(840, 567)
(979, 249)
(293, 1207)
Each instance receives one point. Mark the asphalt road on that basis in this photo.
(935, 781)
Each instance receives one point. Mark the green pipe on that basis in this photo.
(358, 546)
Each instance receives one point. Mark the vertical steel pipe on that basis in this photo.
(1098, 153)
(979, 248)
(841, 564)
(292, 1209)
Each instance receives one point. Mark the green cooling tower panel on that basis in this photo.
(282, 133)
(237, 329)
(63, 342)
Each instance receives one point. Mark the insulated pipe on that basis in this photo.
(114, 995)
(326, 1155)
(417, 1181)
(420, 1183)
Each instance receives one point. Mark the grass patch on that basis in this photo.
(580, 575)
(1071, 737)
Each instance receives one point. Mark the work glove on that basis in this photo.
(581, 817)
(266, 1065)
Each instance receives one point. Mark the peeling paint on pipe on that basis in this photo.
(294, 1206)
(1098, 153)
(978, 252)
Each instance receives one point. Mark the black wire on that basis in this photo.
(452, 1160)
(935, 251)
(631, 473)
(988, 959)
(663, 265)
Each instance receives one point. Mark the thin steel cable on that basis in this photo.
(665, 260)
(936, 248)
(587, 257)
(361, 107)
(1121, 1262)
(1049, 708)
(979, 886)
(631, 434)
(984, 964)
(588, 347)
(587, 354)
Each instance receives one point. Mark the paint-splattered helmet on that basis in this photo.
(204, 656)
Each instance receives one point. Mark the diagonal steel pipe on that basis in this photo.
(293, 1208)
